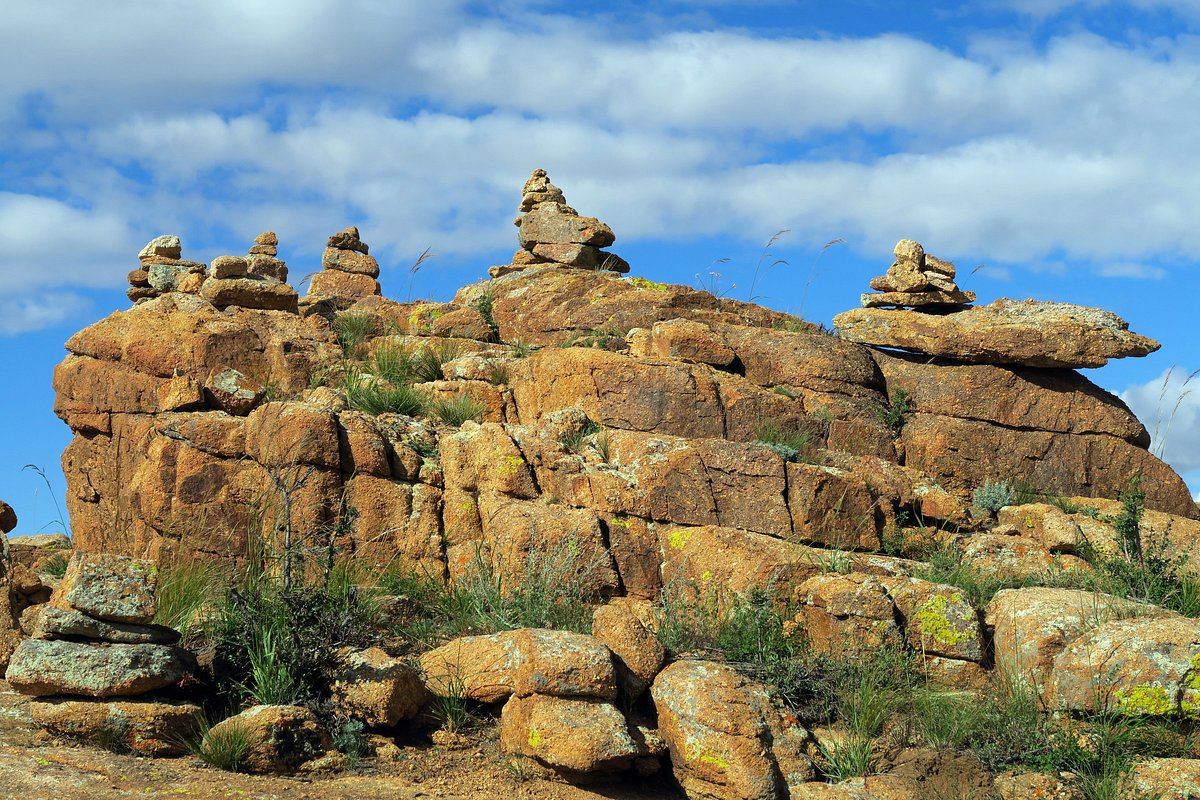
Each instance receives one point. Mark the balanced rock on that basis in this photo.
(166, 246)
(41, 667)
(1029, 333)
(348, 275)
(914, 279)
(109, 587)
(251, 291)
(266, 244)
(8, 517)
(232, 392)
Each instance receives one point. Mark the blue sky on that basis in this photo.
(1052, 141)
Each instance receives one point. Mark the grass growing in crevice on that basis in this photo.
(352, 330)
(550, 588)
(189, 594)
(792, 445)
(454, 411)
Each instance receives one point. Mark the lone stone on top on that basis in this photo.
(916, 279)
(553, 233)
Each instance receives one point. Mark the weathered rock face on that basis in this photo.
(1025, 333)
(976, 422)
(376, 689)
(109, 587)
(574, 736)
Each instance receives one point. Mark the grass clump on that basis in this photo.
(352, 330)
(189, 595)
(56, 566)
(375, 396)
(454, 411)
(485, 304)
(793, 445)
(226, 748)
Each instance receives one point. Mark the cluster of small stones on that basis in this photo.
(916, 279)
(551, 232)
(349, 274)
(255, 280)
(93, 648)
(163, 270)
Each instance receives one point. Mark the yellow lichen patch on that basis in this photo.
(945, 620)
(535, 738)
(707, 576)
(642, 283)
(508, 465)
(624, 523)
(705, 755)
(678, 538)
(1192, 679)
(1144, 699)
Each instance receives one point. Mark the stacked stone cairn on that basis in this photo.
(163, 270)
(95, 661)
(349, 273)
(916, 279)
(256, 280)
(551, 232)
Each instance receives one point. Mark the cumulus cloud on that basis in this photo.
(1169, 406)
(420, 121)
(39, 310)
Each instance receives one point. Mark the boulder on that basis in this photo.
(348, 239)
(109, 587)
(638, 653)
(1139, 666)
(521, 662)
(232, 392)
(846, 614)
(147, 728)
(350, 261)
(548, 224)
(223, 267)
(166, 246)
(53, 667)
(63, 623)
(726, 738)
(8, 517)
(1029, 333)
(371, 686)
(1167, 778)
(347, 286)
(280, 738)
(1033, 626)
(938, 619)
(576, 737)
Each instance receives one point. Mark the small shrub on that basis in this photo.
(993, 496)
(785, 391)
(575, 440)
(484, 303)
(1128, 523)
(498, 373)
(521, 349)
(454, 411)
(350, 739)
(896, 412)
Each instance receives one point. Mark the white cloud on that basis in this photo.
(1169, 406)
(41, 310)
(248, 115)
(1131, 270)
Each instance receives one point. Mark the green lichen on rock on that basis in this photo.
(643, 283)
(1146, 699)
(947, 621)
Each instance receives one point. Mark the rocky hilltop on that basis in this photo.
(656, 438)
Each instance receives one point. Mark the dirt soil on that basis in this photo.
(35, 767)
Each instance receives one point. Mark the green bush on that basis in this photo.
(896, 412)
(375, 396)
(993, 496)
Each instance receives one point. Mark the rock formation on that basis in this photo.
(95, 640)
(655, 442)
(551, 232)
(916, 279)
(163, 270)
(348, 274)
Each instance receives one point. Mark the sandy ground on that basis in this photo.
(34, 767)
